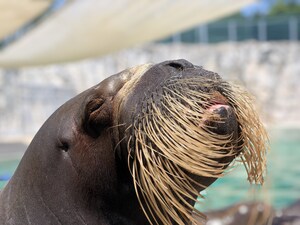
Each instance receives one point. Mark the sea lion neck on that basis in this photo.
(70, 176)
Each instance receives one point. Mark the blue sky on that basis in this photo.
(261, 7)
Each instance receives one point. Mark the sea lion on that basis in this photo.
(255, 213)
(136, 149)
(248, 213)
(289, 215)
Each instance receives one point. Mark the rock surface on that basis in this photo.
(270, 71)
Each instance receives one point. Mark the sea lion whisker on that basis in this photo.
(118, 144)
(165, 125)
(139, 188)
(187, 135)
(187, 181)
(116, 126)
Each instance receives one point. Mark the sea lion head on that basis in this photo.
(178, 127)
(139, 147)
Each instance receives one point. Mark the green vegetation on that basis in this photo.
(282, 7)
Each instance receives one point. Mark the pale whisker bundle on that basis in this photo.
(173, 143)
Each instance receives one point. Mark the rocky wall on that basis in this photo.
(270, 71)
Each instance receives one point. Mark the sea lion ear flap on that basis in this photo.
(97, 115)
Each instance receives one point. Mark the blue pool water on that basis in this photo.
(282, 186)
(6, 170)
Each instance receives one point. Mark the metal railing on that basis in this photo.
(262, 29)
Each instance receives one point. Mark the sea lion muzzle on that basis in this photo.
(186, 126)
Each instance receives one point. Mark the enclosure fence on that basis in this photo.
(262, 29)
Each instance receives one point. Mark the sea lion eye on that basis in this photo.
(97, 116)
(94, 105)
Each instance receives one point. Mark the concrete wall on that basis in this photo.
(271, 71)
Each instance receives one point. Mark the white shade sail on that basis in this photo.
(15, 13)
(89, 28)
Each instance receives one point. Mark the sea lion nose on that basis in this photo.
(222, 110)
(221, 119)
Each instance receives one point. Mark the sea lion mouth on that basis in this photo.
(219, 116)
(221, 119)
(184, 131)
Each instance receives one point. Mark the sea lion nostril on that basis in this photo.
(176, 65)
(179, 64)
(219, 112)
